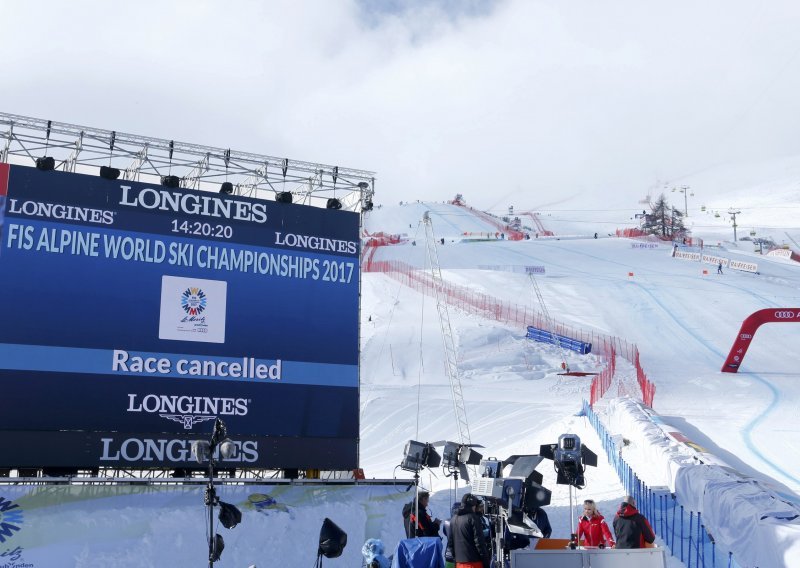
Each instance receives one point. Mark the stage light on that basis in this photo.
(201, 450)
(456, 457)
(45, 164)
(217, 547)
(417, 455)
(367, 206)
(363, 185)
(283, 197)
(229, 515)
(334, 203)
(570, 458)
(332, 540)
(171, 181)
(109, 173)
(219, 434)
(226, 188)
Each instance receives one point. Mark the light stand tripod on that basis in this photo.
(413, 530)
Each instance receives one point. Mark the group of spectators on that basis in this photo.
(469, 533)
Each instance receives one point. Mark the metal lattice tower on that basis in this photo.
(447, 334)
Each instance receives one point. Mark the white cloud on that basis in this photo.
(522, 100)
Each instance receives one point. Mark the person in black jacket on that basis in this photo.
(425, 526)
(539, 517)
(631, 527)
(466, 544)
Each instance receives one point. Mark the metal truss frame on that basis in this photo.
(141, 158)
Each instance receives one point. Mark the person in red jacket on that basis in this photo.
(592, 527)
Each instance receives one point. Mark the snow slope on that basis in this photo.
(683, 320)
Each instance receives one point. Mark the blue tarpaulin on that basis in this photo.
(566, 342)
(423, 552)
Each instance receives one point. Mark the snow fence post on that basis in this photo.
(689, 546)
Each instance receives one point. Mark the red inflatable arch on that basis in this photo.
(748, 330)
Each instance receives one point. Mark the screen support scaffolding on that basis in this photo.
(140, 158)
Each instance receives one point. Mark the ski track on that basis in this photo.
(747, 431)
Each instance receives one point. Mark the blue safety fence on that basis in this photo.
(682, 531)
(566, 342)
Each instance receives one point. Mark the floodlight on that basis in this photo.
(333, 203)
(217, 546)
(201, 450)
(417, 455)
(220, 433)
(283, 197)
(229, 515)
(469, 456)
(456, 457)
(227, 449)
(332, 540)
(109, 173)
(171, 181)
(570, 458)
(226, 188)
(45, 163)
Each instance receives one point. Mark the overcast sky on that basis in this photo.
(516, 101)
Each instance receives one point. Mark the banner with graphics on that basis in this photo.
(138, 312)
(124, 526)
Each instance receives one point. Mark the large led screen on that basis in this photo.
(133, 315)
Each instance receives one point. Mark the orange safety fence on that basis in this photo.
(483, 305)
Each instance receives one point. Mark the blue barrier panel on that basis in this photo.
(555, 339)
(134, 315)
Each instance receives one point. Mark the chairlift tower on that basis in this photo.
(447, 334)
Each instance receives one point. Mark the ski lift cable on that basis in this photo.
(421, 360)
(383, 343)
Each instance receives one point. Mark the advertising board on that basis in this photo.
(139, 312)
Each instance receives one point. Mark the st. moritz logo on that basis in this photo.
(10, 519)
(193, 301)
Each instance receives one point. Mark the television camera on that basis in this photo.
(512, 499)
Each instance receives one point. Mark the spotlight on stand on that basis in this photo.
(417, 455)
(456, 457)
(219, 447)
(45, 163)
(332, 541)
(333, 203)
(171, 181)
(570, 458)
(109, 173)
(229, 515)
(283, 197)
(226, 188)
(216, 548)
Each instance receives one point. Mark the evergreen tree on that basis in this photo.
(664, 220)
